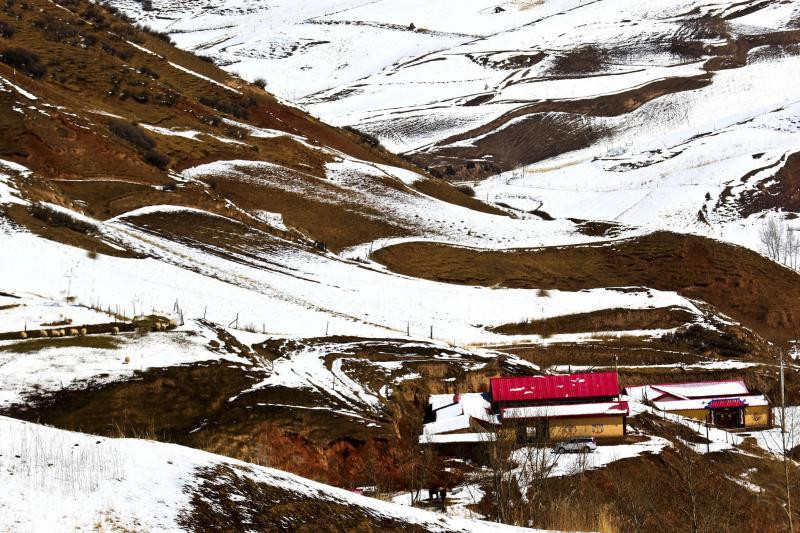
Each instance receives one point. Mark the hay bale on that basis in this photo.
(114, 330)
(43, 333)
(23, 335)
(55, 333)
(73, 332)
(83, 331)
(127, 359)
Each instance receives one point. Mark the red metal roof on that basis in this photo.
(553, 387)
(726, 403)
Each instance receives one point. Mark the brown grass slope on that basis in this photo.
(743, 284)
(100, 82)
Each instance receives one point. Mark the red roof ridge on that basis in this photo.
(555, 386)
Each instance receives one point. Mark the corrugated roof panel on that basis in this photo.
(726, 403)
(561, 386)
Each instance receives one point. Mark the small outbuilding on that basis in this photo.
(459, 424)
(728, 404)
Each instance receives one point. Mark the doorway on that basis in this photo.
(727, 418)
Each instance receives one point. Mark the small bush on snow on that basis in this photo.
(466, 189)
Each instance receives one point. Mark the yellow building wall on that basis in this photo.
(697, 414)
(567, 428)
(755, 417)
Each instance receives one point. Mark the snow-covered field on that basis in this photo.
(658, 167)
(56, 480)
(296, 292)
(30, 312)
(644, 176)
(772, 439)
(92, 360)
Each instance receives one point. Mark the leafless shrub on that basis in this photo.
(364, 138)
(237, 107)
(211, 120)
(124, 55)
(116, 12)
(235, 132)
(140, 140)
(466, 189)
(93, 14)
(688, 39)
(167, 98)
(157, 34)
(127, 32)
(156, 159)
(260, 82)
(89, 39)
(147, 71)
(56, 218)
(25, 61)
(503, 487)
(53, 28)
(131, 133)
(580, 60)
(6, 30)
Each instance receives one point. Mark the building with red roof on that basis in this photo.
(725, 403)
(561, 406)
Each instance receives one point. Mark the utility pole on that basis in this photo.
(785, 457)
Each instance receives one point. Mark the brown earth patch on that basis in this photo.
(603, 320)
(605, 353)
(227, 500)
(755, 291)
(542, 135)
(781, 191)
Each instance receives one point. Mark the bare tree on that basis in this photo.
(501, 441)
(779, 242)
(770, 234)
(537, 463)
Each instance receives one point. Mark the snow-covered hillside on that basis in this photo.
(505, 188)
(650, 114)
(56, 480)
(286, 290)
